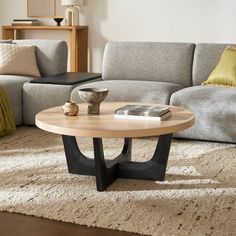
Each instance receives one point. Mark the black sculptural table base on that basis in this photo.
(107, 171)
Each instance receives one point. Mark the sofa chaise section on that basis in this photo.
(144, 71)
(214, 107)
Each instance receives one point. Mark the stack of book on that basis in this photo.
(143, 112)
(22, 22)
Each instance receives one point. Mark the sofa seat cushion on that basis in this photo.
(37, 97)
(12, 84)
(133, 91)
(214, 109)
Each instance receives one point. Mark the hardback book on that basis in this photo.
(18, 20)
(22, 23)
(157, 113)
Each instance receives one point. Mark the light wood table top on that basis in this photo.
(105, 125)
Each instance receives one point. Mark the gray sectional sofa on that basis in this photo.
(28, 98)
(167, 73)
(171, 73)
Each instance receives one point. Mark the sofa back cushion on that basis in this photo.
(165, 62)
(206, 57)
(51, 55)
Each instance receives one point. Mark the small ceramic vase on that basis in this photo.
(94, 97)
(70, 108)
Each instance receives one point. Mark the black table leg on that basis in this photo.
(155, 168)
(126, 152)
(77, 162)
(105, 174)
(107, 171)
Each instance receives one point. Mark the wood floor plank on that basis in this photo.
(12, 224)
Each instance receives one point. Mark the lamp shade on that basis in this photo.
(71, 2)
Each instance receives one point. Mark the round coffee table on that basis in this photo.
(106, 125)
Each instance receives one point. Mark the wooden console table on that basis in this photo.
(78, 42)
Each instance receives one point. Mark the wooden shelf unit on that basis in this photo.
(78, 42)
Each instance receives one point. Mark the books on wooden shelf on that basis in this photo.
(143, 112)
(28, 22)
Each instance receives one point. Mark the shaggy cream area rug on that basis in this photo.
(197, 198)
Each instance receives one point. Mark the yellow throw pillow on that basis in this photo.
(18, 60)
(225, 71)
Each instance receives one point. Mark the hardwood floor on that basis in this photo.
(21, 225)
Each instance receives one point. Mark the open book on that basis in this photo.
(143, 112)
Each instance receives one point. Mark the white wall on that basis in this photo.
(143, 20)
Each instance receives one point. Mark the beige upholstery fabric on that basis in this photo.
(18, 60)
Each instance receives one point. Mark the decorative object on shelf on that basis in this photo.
(58, 20)
(25, 22)
(70, 108)
(72, 11)
(94, 97)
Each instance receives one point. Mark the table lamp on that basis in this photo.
(72, 11)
